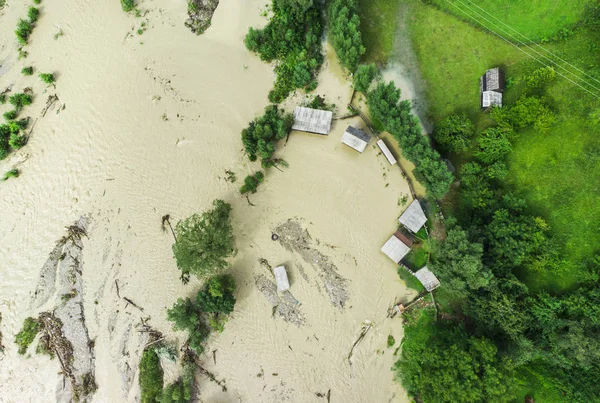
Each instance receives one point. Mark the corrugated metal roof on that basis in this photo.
(395, 249)
(386, 151)
(281, 278)
(413, 217)
(427, 278)
(491, 98)
(356, 139)
(312, 120)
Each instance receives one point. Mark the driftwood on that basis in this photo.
(51, 100)
(362, 335)
(133, 304)
(249, 202)
(211, 376)
(117, 285)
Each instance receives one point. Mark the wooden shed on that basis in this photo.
(312, 120)
(356, 139)
(413, 217)
(427, 278)
(395, 249)
(386, 151)
(281, 278)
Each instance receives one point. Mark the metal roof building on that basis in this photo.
(491, 86)
(427, 278)
(395, 249)
(281, 278)
(386, 151)
(413, 217)
(491, 98)
(356, 138)
(312, 120)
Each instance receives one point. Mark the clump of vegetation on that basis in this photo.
(2, 99)
(23, 53)
(260, 136)
(27, 71)
(396, 117)
(293, 38)
(10, 115)
(25, 337)
(318, 102)
(150, 376)
(344, 32)
(37, 1)
(212, 305)
(454, 133)
(391, 341)
(364, 76)
(33, 14)
(48, 78)
(181, 390)
(127, 5)
(20, 100)
(251, 183)
(540, 77)
(24, 30)
(205, 241)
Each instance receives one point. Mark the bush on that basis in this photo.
(454, 133)
(205, 241)
(293, 38)
(48, 78)
(251, 183)
(150, 376)
(33, 14)
(2, 99)
(262, 133)
(31, 327)
(184, 314)
(20, 100)
(344, 32)
(540, 77)
(27, 71)
(10, 115)
(127, 5)
(37, 1)
(13, 173)
(493, 145)
(24, 30)
(17, 141)
(364, 76)
(391, 341)
(217, 295)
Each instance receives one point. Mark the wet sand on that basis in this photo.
(150, 129)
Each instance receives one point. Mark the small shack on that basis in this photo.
(427, 278)
(395, 249)
(413, 217)
(281, 278)
(386, 151)
(312, 120)
(356, 138)
(491, 86)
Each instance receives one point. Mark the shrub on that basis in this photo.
(33, 14)
(344, 32)
(217, 295)
(10, 115)
(37, 1)
(13, 173)
(540, 77)
(24, 30)
(150, 376)
(262, 133)
(27, 71)
(492, 145)
(2, 99)
(391, 341)
(364, 76)
(31, 327)
(184, 314)
(48, 78)
(127, 5)
(205, 241)
(20, 100)
(251, 182)
(17, 141)
(454, 133)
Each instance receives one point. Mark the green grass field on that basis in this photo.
(556, 171)
(378, 20)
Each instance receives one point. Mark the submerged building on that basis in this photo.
(356, 139)
(312, 120)
(395, 249)
(386, 151)
(413, 217)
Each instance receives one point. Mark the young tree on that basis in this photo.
(454, 133)
(184, 315)
(344, 31)
(364, 76)
(251, 183)
(217, 295)
(205, 241)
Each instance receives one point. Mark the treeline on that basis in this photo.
(500, 329)
(293, 39)
(344, 32)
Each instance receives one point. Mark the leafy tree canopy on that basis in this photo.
(344, 32)
(454, 133)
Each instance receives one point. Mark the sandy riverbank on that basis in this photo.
(111, 155)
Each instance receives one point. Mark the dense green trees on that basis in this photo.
(293, 38)
(344, 32)
(11, 136)
(150, 376)
(364, 76)
(454, 133)
(262, 133)
(396, 117)
(213, 303)
(251, 183)
(181, 390)
(205, 241)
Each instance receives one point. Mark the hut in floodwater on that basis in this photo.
(386, 151)
(395, 249)
(312, 120)
(427, 278)
(491, 86)
(413, 217)
(281, 278)
(356, 139)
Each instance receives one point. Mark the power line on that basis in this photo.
(529, 47)
(519, 48)
(536, 44)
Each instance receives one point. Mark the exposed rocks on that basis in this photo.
(200, 14)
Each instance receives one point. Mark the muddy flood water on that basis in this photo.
(146, 125)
